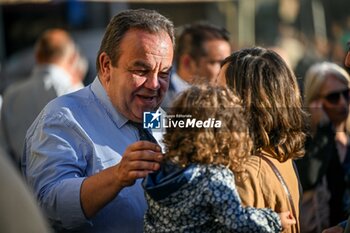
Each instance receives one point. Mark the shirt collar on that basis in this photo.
(101, 95)
(56, 78)
(178, 83)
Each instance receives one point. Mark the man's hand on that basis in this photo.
(139, 159)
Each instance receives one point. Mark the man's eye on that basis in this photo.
(164, 75)
(214, 62)
(140, 72)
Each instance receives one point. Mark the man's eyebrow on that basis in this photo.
(167, 69)
(148, 67)
(141, 64)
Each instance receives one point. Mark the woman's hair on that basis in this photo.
(271, 97)
(317, 74)
(227, 145)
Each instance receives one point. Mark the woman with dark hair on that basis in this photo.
(272, 101)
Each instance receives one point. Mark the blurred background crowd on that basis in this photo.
(303, 31)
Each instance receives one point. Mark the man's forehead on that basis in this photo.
(141, 63)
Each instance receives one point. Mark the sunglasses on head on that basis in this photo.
(334, 97)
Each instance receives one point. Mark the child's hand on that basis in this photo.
(287, 219)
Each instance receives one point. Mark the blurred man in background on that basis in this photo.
(200, 49)
(59, 70)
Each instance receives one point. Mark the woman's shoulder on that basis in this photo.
(253, 165)
(256, 166)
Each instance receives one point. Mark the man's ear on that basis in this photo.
(347, 59)
(105, 67)
(188, 63)
(185, 61)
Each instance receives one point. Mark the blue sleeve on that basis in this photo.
(230, 212)
(55, 169)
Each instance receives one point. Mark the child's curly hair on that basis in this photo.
(228, 145)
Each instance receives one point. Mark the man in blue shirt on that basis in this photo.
(83, 155)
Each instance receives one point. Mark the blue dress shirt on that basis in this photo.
(176, 86)
(74, 137)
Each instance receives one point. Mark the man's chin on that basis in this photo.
(150, 108)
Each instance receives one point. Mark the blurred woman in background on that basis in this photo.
(325, 169)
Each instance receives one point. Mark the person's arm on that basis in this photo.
(57, 157)
(54, 167)
(229, 211)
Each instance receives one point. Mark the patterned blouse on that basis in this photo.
(205, 201)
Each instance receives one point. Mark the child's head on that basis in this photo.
(226, 145)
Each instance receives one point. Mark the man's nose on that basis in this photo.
(214, 72)
(152, 81)
(344, 101)
(216, 69)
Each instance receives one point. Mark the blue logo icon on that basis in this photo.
(151, 120)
